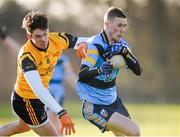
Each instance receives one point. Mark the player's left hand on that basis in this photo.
(81, 51)
(105, 68)
(67, 124)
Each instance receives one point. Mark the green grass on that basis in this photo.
(153, 119)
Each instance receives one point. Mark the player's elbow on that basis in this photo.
(137, 70)
(138, 73)
(135, 67)
(81, 76)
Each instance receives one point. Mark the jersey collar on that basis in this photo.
(40, 48)
(104, 37)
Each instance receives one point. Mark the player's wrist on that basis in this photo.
(95, 70)
(99, 70)
(61, 113)
(124, 51)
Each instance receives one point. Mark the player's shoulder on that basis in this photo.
(53, 35)
(27, 50)
(27, 47)
(64, 35)
(62, 40)
(93, 41)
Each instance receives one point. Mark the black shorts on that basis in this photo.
(100, 114)
(32, 111)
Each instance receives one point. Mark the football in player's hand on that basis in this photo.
(117, 61)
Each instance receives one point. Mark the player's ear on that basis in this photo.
(29, 36)
(106, 24)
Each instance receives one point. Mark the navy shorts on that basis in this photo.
(100, 114)
(32, 111)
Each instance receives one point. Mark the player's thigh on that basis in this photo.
(46, 130)
(95, 114)
(123, 124)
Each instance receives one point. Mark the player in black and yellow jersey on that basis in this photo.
(63, 72)
(36, 61)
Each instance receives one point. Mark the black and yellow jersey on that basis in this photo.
(44, 61)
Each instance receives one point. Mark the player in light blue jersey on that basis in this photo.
(97, 77)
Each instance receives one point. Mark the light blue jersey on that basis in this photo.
(56, 86)
(101, 89)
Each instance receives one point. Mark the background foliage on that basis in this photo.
(153, 31)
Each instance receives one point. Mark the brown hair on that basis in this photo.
(113, 12)
(34, 20)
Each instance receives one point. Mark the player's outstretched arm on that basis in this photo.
(34, 80)
(8, 41)
(70, 76)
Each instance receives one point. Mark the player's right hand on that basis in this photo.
(81, 51)
(106, 68)
(67, 125)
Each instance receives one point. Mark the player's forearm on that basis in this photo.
(11, 44)
(34, 80)
(87, 72)
(71, 80)
(132, 63)
(70, 76)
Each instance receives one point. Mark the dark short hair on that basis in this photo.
(34, 20)
(113, 12)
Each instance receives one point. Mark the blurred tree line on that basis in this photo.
(153, 31)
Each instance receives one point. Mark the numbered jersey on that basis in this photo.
(44, 61)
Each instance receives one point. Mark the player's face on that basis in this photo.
(117, 28)
(39, 38)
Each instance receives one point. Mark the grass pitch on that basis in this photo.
(153, 119)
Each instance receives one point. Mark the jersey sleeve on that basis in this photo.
(81, 39)
(92, 56)
(27, 62)
(69, 39)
